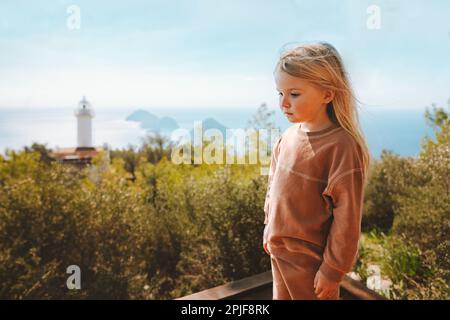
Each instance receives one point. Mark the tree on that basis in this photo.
(262, 119)
(155, 146)
(130, 157)
(42, 150)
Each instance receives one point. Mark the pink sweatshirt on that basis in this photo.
(315, 197)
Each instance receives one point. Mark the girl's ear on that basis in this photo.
(329, 96)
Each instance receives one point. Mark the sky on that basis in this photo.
(208, 54)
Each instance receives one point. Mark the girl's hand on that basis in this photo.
(324, 288)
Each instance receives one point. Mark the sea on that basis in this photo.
(399, 130)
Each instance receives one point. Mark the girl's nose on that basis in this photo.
(284, 103)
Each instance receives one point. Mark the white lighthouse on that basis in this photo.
(85, 151)
(84, 114)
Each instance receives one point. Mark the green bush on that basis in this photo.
(388, 177)
(52, 217)
(141, 227)
(408, 198)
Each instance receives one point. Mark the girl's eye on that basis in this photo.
(292, 94)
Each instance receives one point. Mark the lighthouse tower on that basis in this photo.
(83, 154)
(84, 114)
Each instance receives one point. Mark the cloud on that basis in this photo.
(214, 53)
(132, 87)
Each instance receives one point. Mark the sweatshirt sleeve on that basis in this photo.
(347, 193)
(273, 164)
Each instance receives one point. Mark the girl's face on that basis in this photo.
(300, 100)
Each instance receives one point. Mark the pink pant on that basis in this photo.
(293, 276)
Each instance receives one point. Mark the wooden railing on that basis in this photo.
(259, 287)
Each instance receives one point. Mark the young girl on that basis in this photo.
(317, 177)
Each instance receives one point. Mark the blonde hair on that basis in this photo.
(321, 64)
